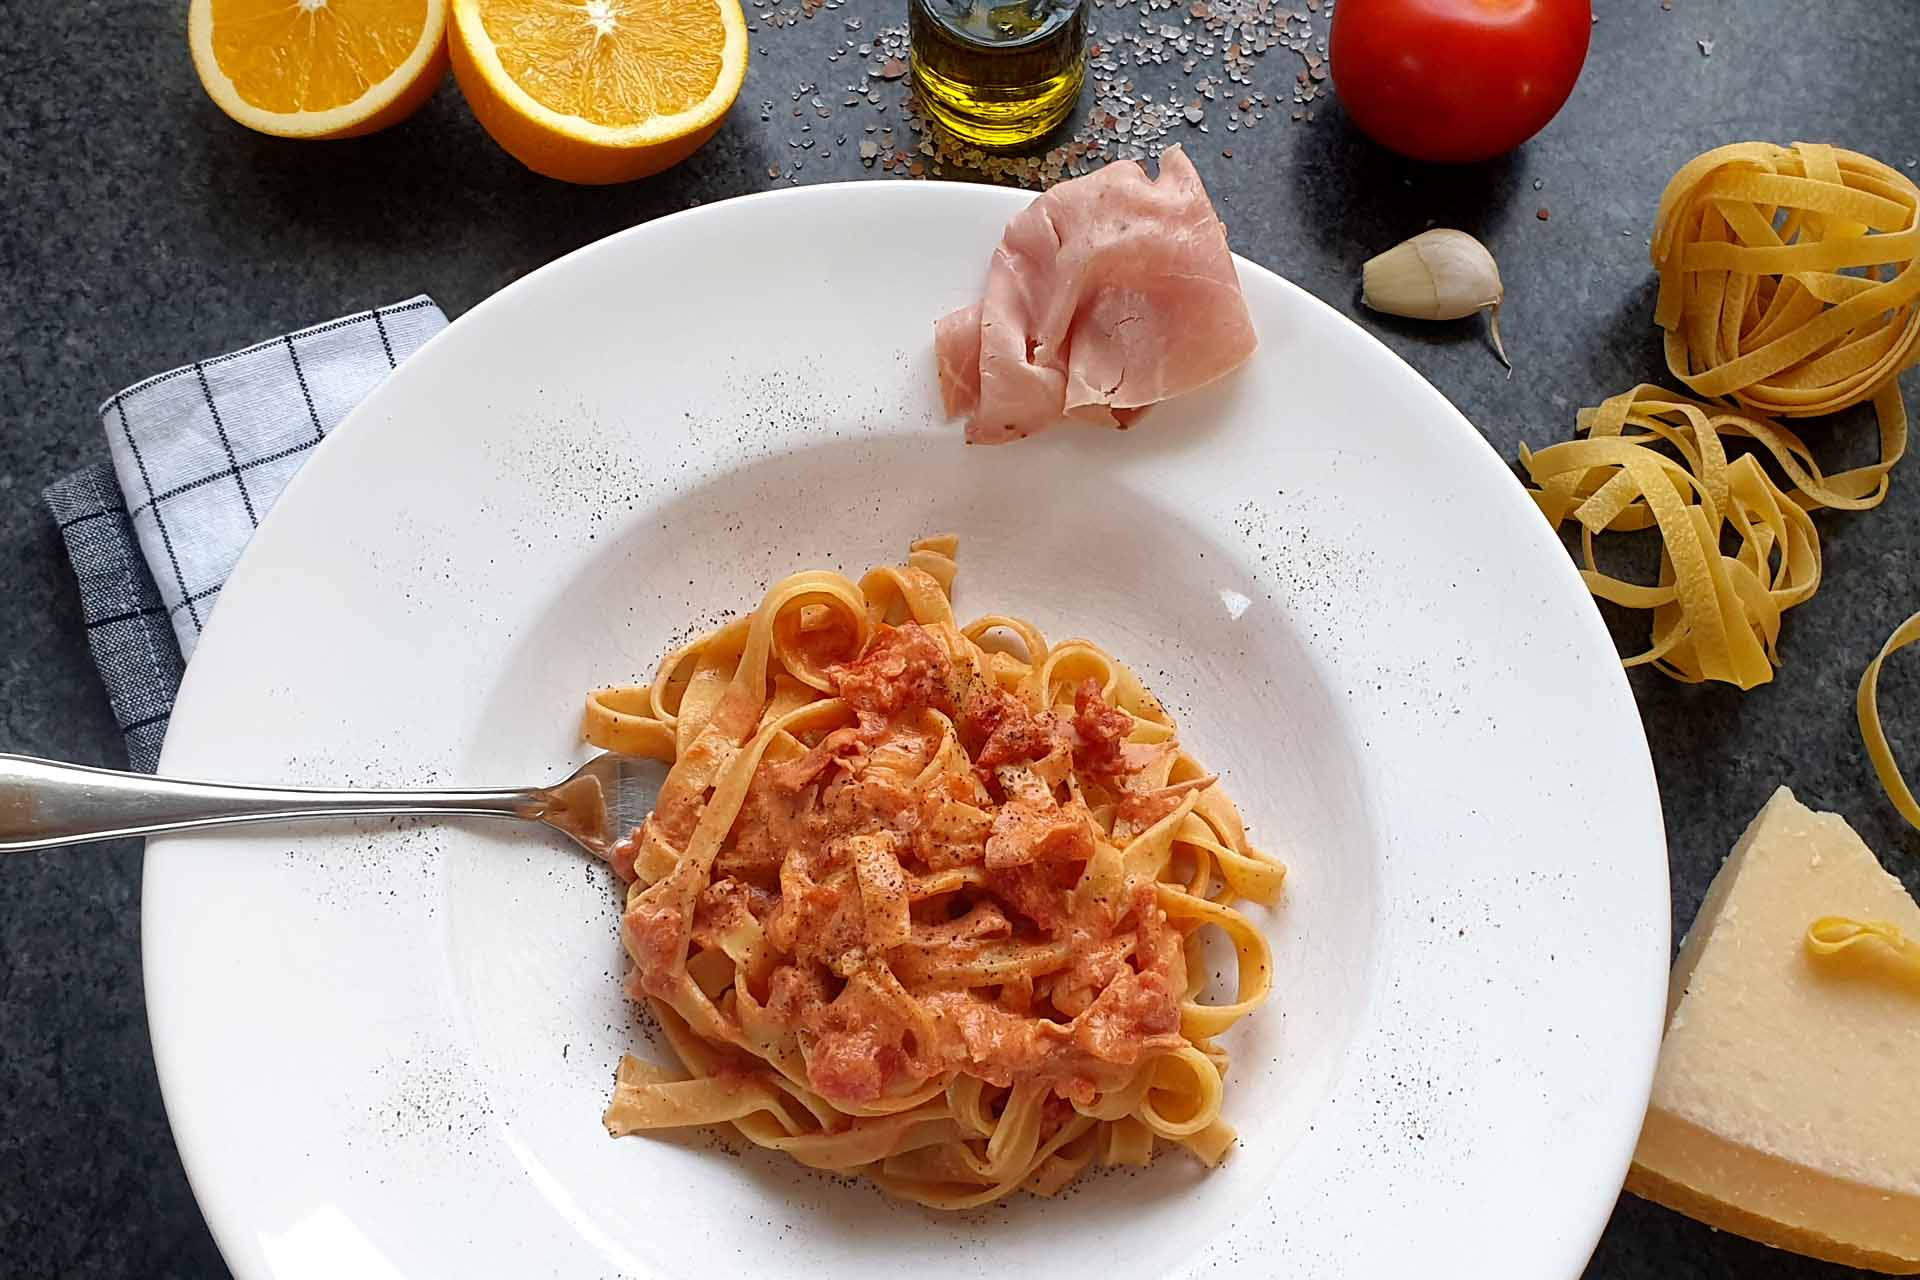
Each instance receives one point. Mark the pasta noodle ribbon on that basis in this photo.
(924, 902)
(1875, 940)
(1867, 711)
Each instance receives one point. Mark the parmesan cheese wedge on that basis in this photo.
(1786, 1106)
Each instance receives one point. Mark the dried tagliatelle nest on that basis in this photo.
(1790, 278)
(1789, 287)
(1652, 459)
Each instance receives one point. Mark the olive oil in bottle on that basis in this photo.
(997, 73)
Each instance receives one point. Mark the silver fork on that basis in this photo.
(45, 803)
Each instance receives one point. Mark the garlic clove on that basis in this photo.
(1440, 274)
(1400, 283)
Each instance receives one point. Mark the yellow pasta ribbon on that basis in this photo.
(1867, 710)
(1833, 935)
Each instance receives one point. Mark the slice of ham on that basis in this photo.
(956, 345)
(1107, 294)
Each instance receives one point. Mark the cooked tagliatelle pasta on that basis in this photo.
(926, 902)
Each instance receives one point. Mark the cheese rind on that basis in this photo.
(1774, 1201)
(1786, 1106)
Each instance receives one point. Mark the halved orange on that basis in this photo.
(599, 90)
(319, 68)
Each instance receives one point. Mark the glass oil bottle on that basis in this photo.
(997, 73)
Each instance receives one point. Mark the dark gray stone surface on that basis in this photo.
(141, 229)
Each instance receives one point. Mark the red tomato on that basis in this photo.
(1456, 80)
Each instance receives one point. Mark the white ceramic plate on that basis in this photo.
(385, 1048)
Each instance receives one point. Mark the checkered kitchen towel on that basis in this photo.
(198, 456)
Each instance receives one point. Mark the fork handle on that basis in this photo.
(45, 803)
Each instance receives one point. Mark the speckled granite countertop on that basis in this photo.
(141, 230)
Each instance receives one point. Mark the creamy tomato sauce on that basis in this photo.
(925, 920)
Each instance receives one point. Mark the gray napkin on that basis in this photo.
(199, 454)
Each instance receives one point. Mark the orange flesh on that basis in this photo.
(284, 56)
(611, 62)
